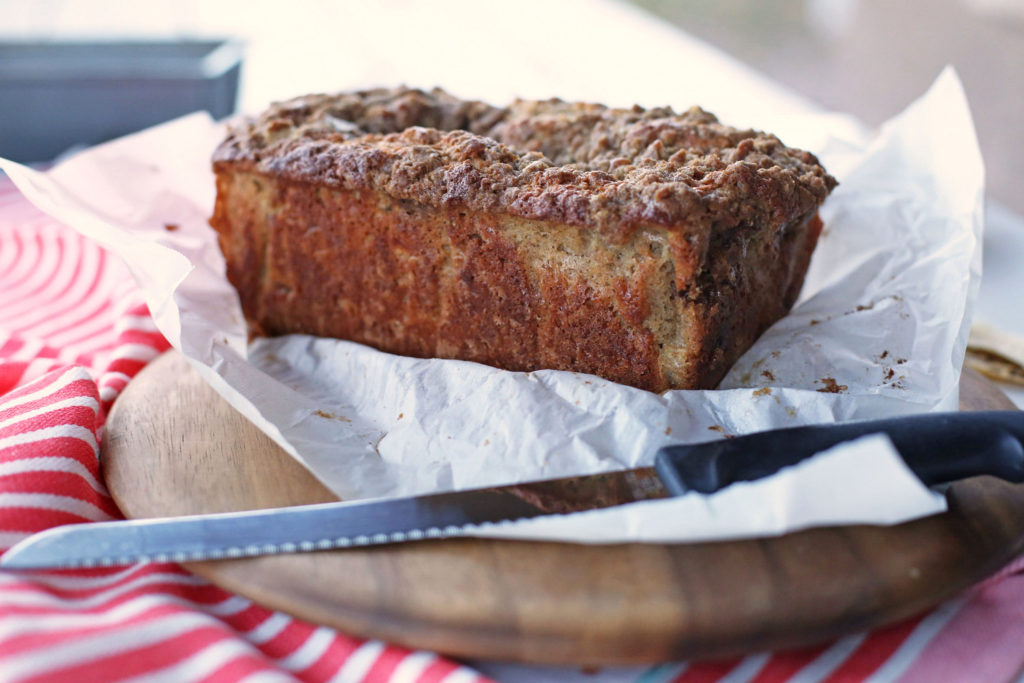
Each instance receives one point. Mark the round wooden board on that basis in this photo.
(174, 447)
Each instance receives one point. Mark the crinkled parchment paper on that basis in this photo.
(880, 330)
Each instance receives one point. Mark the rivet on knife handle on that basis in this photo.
(939, 448)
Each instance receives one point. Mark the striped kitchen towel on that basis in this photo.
(72, 334)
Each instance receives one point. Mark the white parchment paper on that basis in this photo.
(880, 330)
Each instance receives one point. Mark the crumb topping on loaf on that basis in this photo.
(582, 164)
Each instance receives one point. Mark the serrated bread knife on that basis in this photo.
(939, 448)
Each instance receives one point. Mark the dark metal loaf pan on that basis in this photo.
(59, 95)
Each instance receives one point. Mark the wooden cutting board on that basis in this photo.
(174, 447)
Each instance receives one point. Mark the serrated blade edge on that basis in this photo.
(306, 528)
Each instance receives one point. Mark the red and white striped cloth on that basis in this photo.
(73, 332)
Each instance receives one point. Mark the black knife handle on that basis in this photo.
(938, 447)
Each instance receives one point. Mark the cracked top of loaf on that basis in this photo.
(583, 164)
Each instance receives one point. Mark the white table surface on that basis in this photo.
(597, 50)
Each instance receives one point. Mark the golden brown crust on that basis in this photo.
(643, 246)
(583, 164)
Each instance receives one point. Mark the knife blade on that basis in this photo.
(939, 448)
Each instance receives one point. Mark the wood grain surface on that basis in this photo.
(174, 447)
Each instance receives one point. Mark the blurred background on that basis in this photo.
(868, 58)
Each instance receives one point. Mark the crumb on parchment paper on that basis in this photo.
(830, 386)
(330, 416)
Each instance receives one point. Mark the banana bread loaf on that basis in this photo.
(641, 245)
